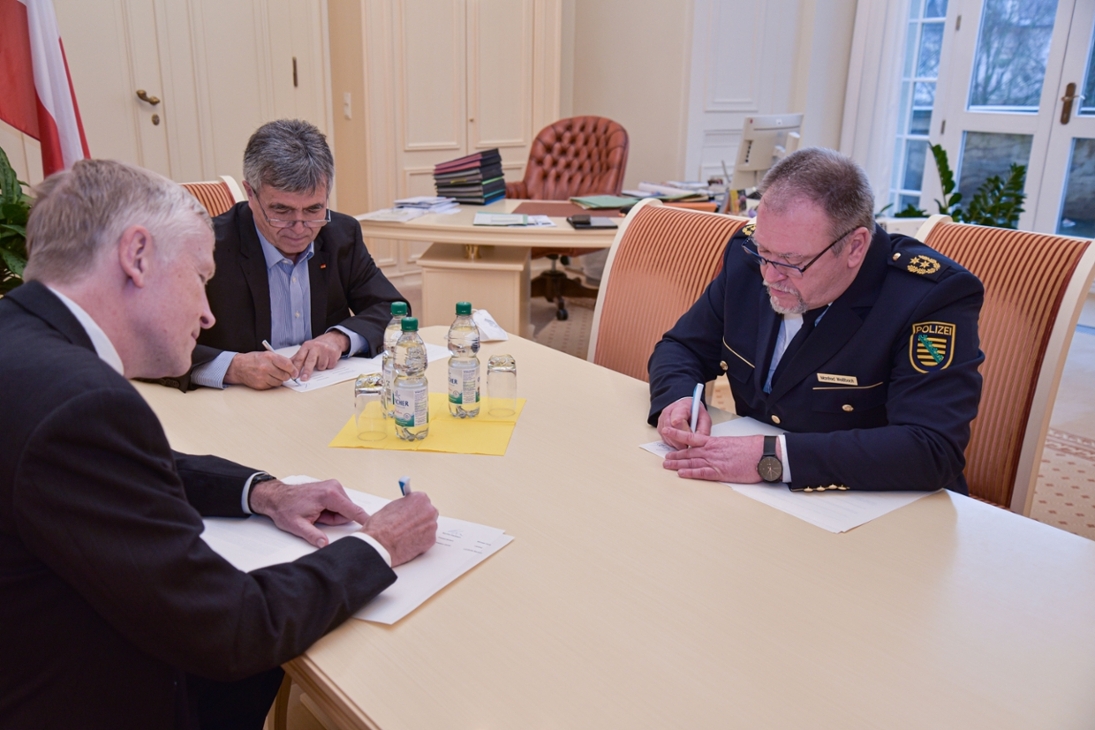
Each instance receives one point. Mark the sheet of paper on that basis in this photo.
(541, 221)
(832, 511)
(500, 219)
(398, 215)
(489, 330)
(347, 368)
(256, 543)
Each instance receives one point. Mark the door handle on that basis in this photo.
(1069, 97)
(143, 96)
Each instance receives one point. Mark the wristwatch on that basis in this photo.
(257, 480)
(770, 467)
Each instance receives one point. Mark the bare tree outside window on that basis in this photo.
(1012, 51)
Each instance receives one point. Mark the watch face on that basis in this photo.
(770, 469)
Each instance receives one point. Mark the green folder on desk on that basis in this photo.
(603, 202)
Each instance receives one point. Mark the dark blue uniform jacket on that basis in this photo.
(880, 395)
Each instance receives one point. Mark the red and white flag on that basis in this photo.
(36, 95)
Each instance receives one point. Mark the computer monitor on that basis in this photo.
(765, 140)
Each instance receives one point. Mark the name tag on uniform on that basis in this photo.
(837, 379)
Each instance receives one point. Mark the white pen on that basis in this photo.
(270, 348)
(404, 486)
(696, 405)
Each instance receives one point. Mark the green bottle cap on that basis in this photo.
(463, 309)
(410, 324)
(399, 309)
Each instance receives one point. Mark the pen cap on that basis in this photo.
(399, 309)
(463, 309)
(409, 324)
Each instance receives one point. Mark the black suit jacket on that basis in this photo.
(863, 402)
(108, 595)
(347, 288)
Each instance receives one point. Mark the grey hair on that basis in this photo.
(290, 155)
(82, 212)
(827, 178)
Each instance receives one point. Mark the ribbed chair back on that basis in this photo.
(660, 262)
(1035, 286)
(217, 196)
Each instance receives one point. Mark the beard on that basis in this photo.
(797, 308)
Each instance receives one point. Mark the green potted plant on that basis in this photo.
(997, 202)
(14, 209)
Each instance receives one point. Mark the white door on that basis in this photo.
(113, 52)
(1005, 66)
(1066, 199)
(211, 72)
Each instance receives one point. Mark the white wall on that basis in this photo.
(631, 63)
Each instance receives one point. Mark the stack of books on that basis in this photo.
(475, 179)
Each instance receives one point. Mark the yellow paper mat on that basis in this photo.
(484, 434)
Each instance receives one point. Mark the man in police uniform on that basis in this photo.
(862, 346)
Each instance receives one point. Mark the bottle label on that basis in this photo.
(464, 385)
(412, 406)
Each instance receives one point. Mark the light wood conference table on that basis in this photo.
(487, 265)
(634, 599)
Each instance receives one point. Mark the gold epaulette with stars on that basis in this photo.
(919, 260)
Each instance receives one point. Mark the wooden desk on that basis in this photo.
(497, 277)
(634, 599)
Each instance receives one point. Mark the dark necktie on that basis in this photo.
(808, 320)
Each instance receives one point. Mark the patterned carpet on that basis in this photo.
(1065, 495)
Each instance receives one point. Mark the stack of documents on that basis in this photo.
(428, 204)
(256, 543)
(669, 192)
(603, 202)
(475, 179)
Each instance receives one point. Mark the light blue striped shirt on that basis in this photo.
(290, 311)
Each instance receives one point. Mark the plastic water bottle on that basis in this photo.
(391, 335)
(464, 364)
(410, 391)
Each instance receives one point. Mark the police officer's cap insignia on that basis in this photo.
(748, 228)
(923, 265)
(931, 346)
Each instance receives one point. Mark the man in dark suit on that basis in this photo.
(114, 611)
(862, 346)
(289, 271)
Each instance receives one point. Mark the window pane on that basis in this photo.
(915, 151)
(920, 121)
(924, 94)
(905, 201)
(1087, 106)
(1078, 210)
(1012, 49)
(985, 154)
(931, 40)
(935, 9)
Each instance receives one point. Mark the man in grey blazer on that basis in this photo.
(114, 612)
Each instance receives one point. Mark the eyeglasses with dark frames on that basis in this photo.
(749, 248)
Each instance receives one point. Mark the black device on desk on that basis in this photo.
(587, 221)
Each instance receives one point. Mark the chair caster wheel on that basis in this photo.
(561, 315)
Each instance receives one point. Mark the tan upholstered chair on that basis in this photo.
(575, 156)
(660, 262)
(1035, 286)
(216, 195)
